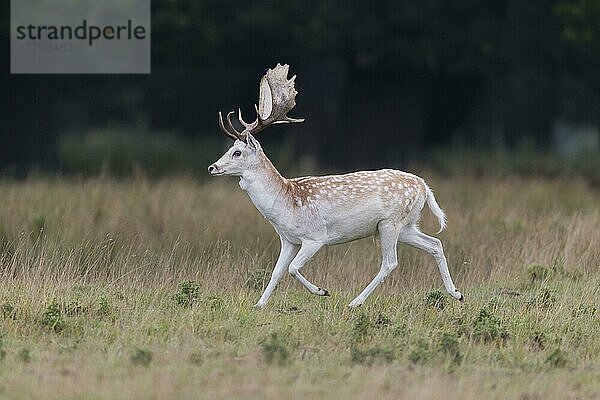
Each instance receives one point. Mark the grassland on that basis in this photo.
(144, 289)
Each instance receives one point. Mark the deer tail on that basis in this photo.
(435, 208)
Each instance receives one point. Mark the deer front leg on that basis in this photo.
(287, 253)
(307, 250)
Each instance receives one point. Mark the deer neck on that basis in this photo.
(267, 189)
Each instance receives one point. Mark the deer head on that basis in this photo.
(277, 96)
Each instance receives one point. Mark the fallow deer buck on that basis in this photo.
(311, 212)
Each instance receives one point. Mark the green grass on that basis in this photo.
(144, 289)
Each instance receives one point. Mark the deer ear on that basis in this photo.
(252, 142)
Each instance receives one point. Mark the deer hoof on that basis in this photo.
(354, 304)
(324, 292)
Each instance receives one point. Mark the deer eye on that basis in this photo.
(236, 153)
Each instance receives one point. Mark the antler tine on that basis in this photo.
(288, 120)
(240, 135)
(248, 126)
(229, 134)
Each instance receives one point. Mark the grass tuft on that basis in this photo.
(435, 299)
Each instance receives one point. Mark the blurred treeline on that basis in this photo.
(380, 83)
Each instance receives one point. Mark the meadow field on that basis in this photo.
(143, 289)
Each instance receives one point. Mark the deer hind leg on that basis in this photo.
(388, 235)
(412, 236)
(306, 252)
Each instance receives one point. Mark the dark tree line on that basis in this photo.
(378, 81)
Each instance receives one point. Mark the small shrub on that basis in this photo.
(275, 350)
(435, 299)
(141, 357)
(448, 343)
(420, 351)
(188, 294)
(53, 319)
(257, 279)
(557, 359)
(487, 327)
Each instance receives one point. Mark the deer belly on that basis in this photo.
(341, 230)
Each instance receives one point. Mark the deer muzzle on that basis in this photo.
(214, 170)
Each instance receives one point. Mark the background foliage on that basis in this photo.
(380, 83)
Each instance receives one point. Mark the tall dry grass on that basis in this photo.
(157, 232)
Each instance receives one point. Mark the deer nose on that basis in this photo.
(212, 168)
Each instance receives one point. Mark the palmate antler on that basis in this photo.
(277, 96)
